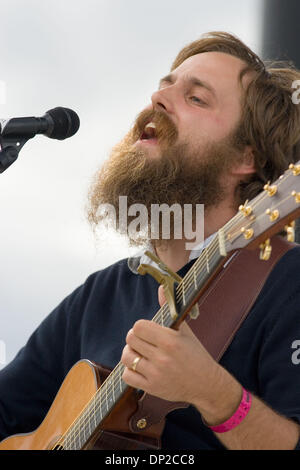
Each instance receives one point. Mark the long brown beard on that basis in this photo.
(179, 176)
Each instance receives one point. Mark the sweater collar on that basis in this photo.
(141, 258)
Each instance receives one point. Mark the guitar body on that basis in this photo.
(78, 388)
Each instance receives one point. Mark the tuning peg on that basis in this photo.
(296, 196)
(265, 250)
(272, 214)
(290, 231)
(295, 168)
(245, 210)
(248, 233)
(271, 190)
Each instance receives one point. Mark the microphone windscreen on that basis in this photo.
(65, 123)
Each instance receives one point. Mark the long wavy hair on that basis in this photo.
(270, 121)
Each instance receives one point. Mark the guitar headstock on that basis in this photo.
(273, 210)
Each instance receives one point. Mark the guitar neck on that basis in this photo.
(256, 220)
(197, 277)
(113, 388)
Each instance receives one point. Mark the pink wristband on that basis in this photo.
(238, 416)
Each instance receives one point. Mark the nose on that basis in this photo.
(163, 100)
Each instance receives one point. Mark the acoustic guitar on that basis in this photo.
(93, 406)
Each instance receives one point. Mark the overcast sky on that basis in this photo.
(102, 58)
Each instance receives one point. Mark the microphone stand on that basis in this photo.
(9, 150)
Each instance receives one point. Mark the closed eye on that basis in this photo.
(197, 100)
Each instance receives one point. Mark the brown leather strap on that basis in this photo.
(223, 308)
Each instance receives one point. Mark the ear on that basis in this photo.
(246, 165)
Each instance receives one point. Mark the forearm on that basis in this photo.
(204, 383)
(261, 429)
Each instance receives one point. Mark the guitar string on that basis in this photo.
(197, 267)
(119, 370)
(76, 429)
(160, 314)
(233, 222)
(255, 202)
(277, 206)
(68, 440)
(64, 440)
(61, 440)
(87, 417)
(122, 370)
(162, 322)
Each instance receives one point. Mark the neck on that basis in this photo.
(174, 253)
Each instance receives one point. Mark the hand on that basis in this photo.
(174, 365)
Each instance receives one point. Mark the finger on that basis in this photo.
(153, 333)
(186, 329)
(133, 361)
(139, 345)
(135, 380)
(161, 296)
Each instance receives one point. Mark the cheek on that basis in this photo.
(208, 129)
(199, 123)
(197, 134)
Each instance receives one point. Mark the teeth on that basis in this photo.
(151, 124)
(149, 131)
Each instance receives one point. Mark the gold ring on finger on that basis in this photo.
(135, 363)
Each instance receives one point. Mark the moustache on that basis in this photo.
(165, 130)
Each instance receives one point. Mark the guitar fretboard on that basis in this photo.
(265, 214)
(114, 387)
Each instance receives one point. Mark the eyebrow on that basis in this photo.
(170, 78)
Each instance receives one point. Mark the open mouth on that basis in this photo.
(149, 132)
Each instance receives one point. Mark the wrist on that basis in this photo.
(223, 399)
(237, 417)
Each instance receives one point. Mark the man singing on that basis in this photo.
(220, 126)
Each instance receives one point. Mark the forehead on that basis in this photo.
(220, 70)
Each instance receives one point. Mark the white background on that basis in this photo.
(102, 58)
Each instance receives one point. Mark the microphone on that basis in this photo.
(58, 123)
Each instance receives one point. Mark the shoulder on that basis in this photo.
(114, 270)
(84, 297)
(279, 298)
(110, 275)
(286, 271)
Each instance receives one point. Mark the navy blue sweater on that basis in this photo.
(92, 323)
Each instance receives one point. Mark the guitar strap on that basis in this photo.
(223, 307)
